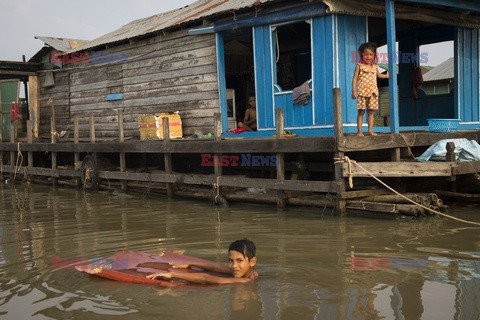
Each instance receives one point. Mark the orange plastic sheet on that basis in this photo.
(134, 266)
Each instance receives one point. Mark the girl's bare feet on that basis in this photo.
(359, 134)
(372, 134)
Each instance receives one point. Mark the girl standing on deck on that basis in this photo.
(364, 86)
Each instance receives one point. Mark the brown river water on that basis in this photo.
(312, 265)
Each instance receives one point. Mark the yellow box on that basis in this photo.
(148, 126)
(151, 126)
(174, 123)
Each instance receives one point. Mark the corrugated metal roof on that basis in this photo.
(444, 70)
(62, 44)
(194, 11)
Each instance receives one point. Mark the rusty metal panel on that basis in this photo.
(194, 11)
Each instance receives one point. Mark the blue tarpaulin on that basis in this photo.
(465, 150)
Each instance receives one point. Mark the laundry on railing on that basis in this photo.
(301, 94)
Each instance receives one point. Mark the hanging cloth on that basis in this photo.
(301, 94)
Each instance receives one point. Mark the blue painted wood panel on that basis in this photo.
(295, 115)
(114, 96)
(351, 32)
(222, 91)
(262, 52)
(322, 73)
(466, 83)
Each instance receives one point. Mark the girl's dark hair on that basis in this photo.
(244, 246)
(368, 45)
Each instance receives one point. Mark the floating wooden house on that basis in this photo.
(191, 59)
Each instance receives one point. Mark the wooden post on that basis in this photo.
(12, 153)
(121, 137)
(167, 156)
(53, 154)
(76, 155)
(92, 129)
(450, 157)
(92, 135)
(280, 127)
(395, 155)
(29, 140)
(1, 122)
(218, 136)
(338, 130)
(217, 164)
(34, 103)
(53, 133)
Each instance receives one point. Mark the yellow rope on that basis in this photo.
(409, 145)
(216, 185)
(18, 164)
(349, 161)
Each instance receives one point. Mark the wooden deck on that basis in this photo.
(176, 165)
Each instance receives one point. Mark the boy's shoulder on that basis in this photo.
(253, 275)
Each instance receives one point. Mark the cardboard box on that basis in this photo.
(148, 127)
(151, 126)
(174, 123)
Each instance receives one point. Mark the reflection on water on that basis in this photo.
(304, 260)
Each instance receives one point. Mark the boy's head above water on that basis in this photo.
(241, 258)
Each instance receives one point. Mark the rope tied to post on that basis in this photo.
(216, 185)
(350, 178)
(409, 145)
(18, 163)
(350, 172)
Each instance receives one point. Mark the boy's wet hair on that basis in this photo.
(244, 246)
(368, 45)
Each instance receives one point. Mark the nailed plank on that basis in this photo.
(292, 145)
(466, 167)
(389, 141)
(400, 169)
(47, 172)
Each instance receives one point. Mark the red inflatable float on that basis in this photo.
(134, 266)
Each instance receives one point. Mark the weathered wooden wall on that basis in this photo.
(164, 73)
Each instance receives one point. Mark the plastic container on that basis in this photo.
(443, 125)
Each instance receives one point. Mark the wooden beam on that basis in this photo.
(47, 172)
(470, 167)
(400, 169)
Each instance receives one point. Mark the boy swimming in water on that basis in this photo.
(240, 267)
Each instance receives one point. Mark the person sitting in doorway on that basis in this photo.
(250, 120)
